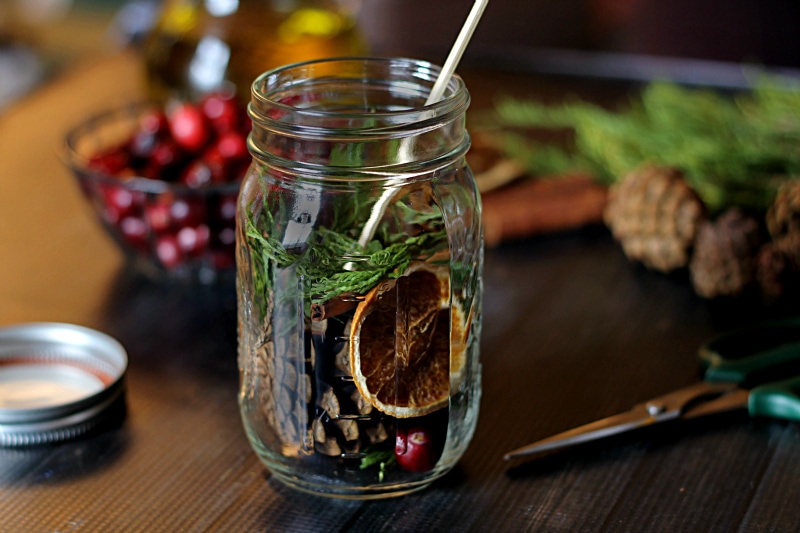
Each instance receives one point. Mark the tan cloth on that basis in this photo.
(53, 254)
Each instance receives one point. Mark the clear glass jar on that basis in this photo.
(360, 253)
(198, 46)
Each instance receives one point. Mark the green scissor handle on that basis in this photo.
(764, 354)
(755, 354)
(776, 400)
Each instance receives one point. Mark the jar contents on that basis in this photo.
(359, 255)
(361, 374)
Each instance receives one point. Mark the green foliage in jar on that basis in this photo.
(321, 263)
(383, 459)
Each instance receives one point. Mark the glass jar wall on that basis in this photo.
(359, 252)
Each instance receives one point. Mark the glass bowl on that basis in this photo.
(164, 227)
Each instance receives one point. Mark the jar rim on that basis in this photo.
(268, 84)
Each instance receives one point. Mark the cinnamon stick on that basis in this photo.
(542, 205)
(335, 306)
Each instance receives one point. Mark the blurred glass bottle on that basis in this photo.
(198, 46)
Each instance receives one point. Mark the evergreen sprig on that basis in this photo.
(330, 280)
(734, 150)
(321, 264)
(384, 459)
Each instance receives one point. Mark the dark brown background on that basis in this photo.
(754, 31)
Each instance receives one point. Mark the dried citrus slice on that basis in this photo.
(400, 349)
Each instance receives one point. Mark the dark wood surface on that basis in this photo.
(572, 332)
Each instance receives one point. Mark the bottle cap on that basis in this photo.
(57, 381)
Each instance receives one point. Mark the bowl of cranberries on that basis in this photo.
(163, 180)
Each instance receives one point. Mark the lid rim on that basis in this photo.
(78, 347)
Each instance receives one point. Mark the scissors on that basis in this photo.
(746, 368)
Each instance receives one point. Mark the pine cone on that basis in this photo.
(724, 258)
(783, 216)
(655, 215)
(345, 422)
(308, 397)
(790, 246)
(287, 393)
(771, 270)
(778, 265)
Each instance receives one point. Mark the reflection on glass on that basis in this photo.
(221, 8)
(208, 66)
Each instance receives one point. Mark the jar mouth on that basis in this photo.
(360, 95)
(357, 115)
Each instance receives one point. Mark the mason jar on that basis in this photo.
(359, 256)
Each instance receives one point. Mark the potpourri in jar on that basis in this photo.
(359, 277)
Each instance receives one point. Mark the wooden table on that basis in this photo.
(572, 332)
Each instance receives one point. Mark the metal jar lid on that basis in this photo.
(57, 381)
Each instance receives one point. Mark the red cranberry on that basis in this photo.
(197, 174)
(119, 202)
(219, 165)
(111, 162)
(193, 240)
(167, 251)
(226, 237)
(228, 157)
(247, 124)
(188, 127)
(154, 121)
(415, 450)
(164, 161)
(158, 214)
(134, 231)
(233, 145)
(226, 208)
(142, 145)
(153, 127)
(187, 211)
(222, 111)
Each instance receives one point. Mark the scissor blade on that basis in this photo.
(730, 401)
(661, 409)
(605, 427)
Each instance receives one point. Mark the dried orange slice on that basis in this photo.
(400, 349)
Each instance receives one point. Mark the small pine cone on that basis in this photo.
(783, 216)
(655, 215)
(778, 265)
(771, 270)
(790, 245)
(344, 421)
(284, 375)
(723, 263)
